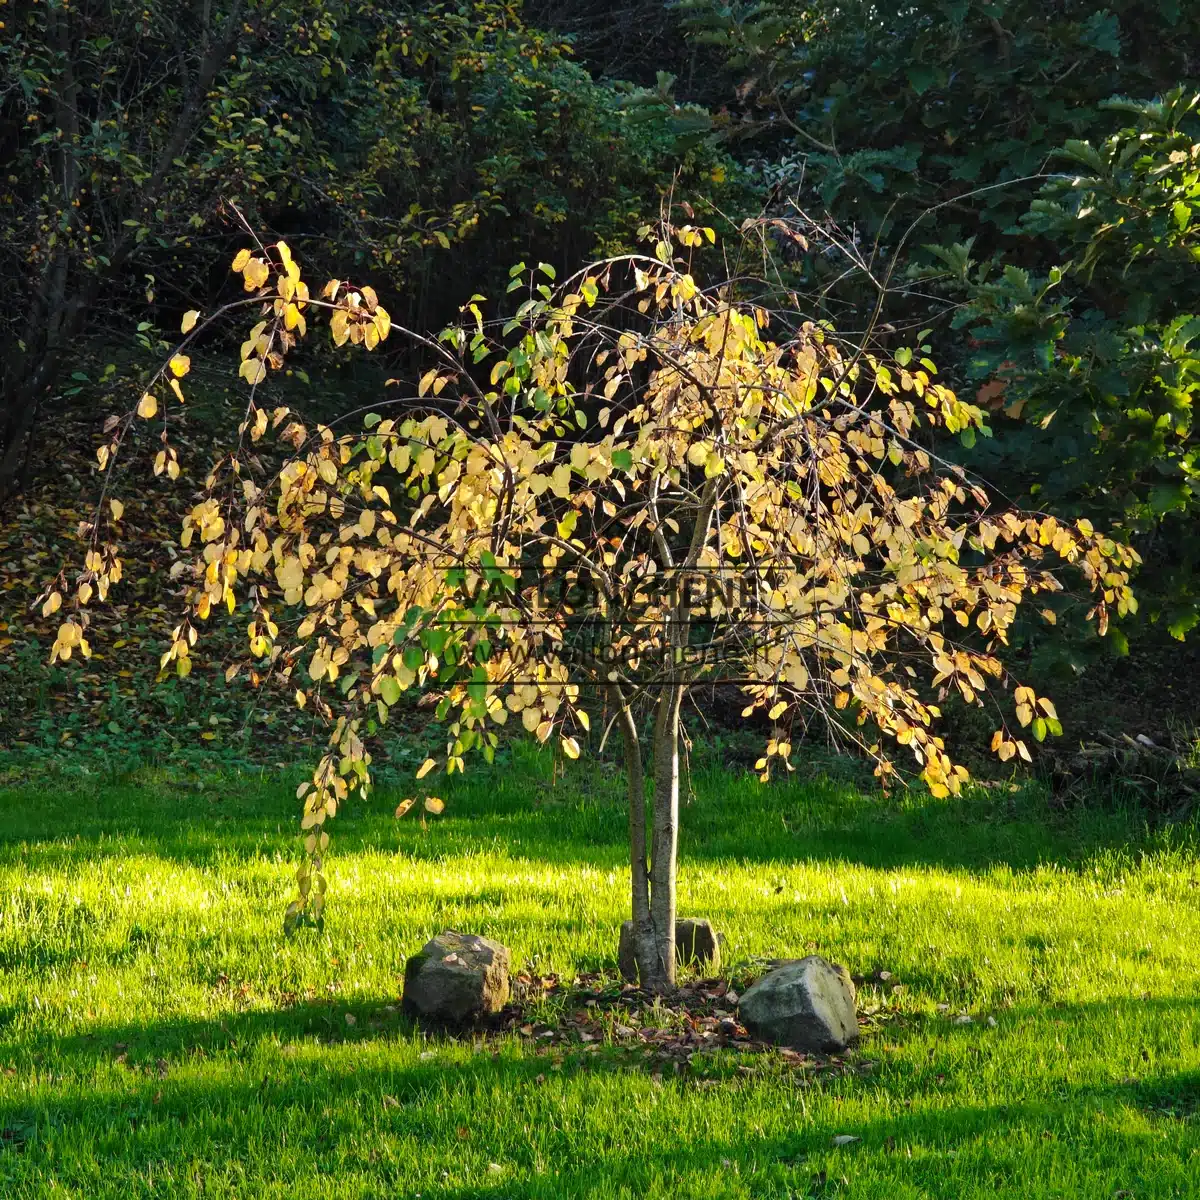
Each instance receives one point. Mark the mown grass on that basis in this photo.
(160, 1037)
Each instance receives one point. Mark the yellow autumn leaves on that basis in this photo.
(254, 270)
(790, 468)
(69, 639)
(357, 315)
(359, 318)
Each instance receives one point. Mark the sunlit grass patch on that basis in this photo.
(160, 1036)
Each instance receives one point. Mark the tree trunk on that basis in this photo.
(654, 931)
(664, 851)
(635, 776)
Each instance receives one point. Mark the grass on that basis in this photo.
(160, 1037)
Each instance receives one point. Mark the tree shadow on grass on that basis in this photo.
(578, 820)
(339, 1103)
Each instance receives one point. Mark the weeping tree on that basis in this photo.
(627, 489)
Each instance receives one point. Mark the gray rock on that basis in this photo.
(626, 959)
(696, 944)
(457, 977)
(807, 1004)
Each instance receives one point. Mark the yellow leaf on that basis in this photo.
(176, 389)
(434, 805)
(338, 326)
(240, 259)
(255, 274)
(52, 605)
(118, 509)
(253, 371)
(189, 320)
(426, 381)
(289, 264)
(180, 365)
(426, 767)
(147, 406)
(208, 734)
(290, 574)
(404, 806)
(570, 747)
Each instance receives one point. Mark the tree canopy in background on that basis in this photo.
(1014, 182)
(435, 143)
(1027, 173)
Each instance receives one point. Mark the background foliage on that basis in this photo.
(964, 158)
(1026, 174)
(436, 143)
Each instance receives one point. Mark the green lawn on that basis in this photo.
(160, 1037)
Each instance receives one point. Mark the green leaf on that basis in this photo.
(1167, 497)
(1182, 624)
(389, 689)
(622, 459)
(921, 78)
(434, 640)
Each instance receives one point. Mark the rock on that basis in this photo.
(457, 977)
(807, 1004)
(696, 943)
(626, 959)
